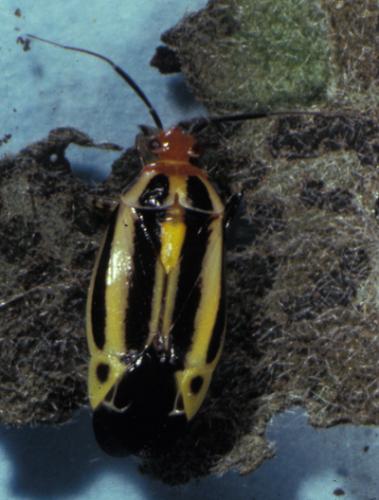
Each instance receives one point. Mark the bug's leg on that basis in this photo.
(105, 204)
(92, 212)
(232, 210)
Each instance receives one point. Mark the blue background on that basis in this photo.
(47, 88)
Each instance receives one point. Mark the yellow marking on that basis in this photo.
(96, 389)
(117, 282)
(210, 296)
(169, 303)
(116, 295)
(157, 301)
(206, 314)
(172, 237)
(131, 196)
(216, 201)
(192, 402)
(89, 331)
(173, 232)
(173, 229)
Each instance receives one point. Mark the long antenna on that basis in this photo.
(257, 115)
(128, 79)
(204, 122)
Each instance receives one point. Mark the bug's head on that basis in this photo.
(172, 145)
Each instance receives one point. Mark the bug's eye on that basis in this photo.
(154, 144)
(195, 151)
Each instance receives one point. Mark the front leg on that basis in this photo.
(233, 209)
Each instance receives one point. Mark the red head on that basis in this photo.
(174, 145)
(162, 149)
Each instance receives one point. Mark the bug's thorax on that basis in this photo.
(169, 182)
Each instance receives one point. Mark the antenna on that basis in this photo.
(204, 122)
(124, 75)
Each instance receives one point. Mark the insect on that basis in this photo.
(156, 303)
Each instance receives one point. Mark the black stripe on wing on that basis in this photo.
(155, 193)
(219, 326)
(147, 245)
(189, 282)
(98, 307)
(198, 194)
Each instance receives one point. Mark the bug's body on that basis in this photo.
(156, 308)
(156, 304)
